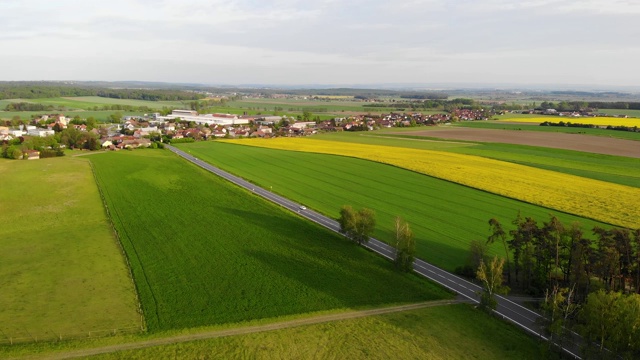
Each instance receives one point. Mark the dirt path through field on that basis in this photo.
(578, 142)
(243, 330)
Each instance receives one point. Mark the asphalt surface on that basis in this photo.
(507, 309)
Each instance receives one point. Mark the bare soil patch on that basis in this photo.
(578, 142)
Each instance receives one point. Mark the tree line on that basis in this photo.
(590, 285)
(25, 106)
(554, 253)
(581, 105)
(590, 126)
(430, 104)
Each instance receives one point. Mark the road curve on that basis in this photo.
(507, 309)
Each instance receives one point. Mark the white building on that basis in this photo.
(303, 124)
(210, 119)
(17, 132)
(41, 132)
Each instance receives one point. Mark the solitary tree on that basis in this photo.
(347, 220)
(491, 277)
(405, 246)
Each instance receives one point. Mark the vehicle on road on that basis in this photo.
(302, 207)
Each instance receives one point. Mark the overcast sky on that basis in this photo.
(323, 41)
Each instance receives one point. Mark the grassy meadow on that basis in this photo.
(431, 333)
(62, 273)
(206, 252)
(434, 208)
(427, 333)
(599, 200)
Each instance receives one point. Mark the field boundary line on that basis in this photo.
(118, 241)
(247, 330)
(399, 135)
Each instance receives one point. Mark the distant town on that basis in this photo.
(154, 129)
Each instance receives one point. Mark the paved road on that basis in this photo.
(507, 309)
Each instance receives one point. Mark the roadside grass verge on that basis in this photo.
(205, 252)
(62, 274)
(444, 216)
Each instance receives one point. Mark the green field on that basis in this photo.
(88, 102)
(444, 216)
(633, 113)
(102, 116)
(614, 169)
(315, 106)
(533, 127)
(447, 332)
(102, 101)
(82, 106)
(61, 269)
(205, 252)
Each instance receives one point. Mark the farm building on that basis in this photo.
(206, 119)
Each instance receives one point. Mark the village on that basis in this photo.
(150, 130)
(182, 125)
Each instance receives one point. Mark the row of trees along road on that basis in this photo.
(359, 225)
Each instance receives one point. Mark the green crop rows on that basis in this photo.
(615, 169)
(206, 252)
(444, 216)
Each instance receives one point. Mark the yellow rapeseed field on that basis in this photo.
(599, 121)
(599, 200)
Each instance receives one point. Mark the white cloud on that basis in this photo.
(551, 7)
(285, 41)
